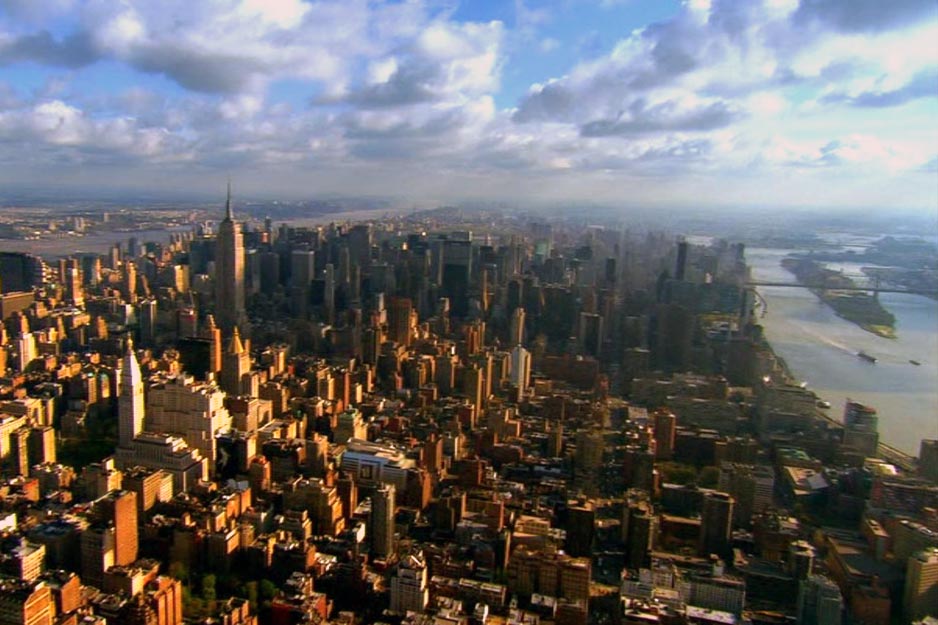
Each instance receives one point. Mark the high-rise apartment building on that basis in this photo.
(716, 523)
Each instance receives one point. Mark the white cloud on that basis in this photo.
(548, 44)
(399, 93)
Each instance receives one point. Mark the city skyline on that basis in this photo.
(710, 104)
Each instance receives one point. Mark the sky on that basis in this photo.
(768, 104)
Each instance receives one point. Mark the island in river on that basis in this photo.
(855, 306)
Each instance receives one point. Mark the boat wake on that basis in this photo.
(826, 340)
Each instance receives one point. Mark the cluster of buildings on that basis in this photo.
(435, 420)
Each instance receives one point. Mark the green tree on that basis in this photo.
(250, 592)
(268, 589)
(180, 571)
(677, 473)
(209, 593)
(709, 477)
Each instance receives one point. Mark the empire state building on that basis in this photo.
(229, 273)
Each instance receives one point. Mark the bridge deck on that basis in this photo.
(822, 287)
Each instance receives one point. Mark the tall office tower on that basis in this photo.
(520, 369)
(639, 525)
(130, 401)
(409, 590)
(129, 284)
(344, 274)
(555, 439)
(819, 602)
(671, 336)
(928, 460)
(516, 329)
(716, 522)
(665, 432)
(514, 294)
(213, 333)
(680, 269)
(588, 459)
(74, 291)
(119, 508)
(90, 269)
(457, 272)
(359, 243)
(269, 272)
(383, 507)
(638, 467)
(302, 272)
(114, 256)
(329, 294)
(590, 333)
(26, 350)
(921, 585)
(4, 354)
(861, 429)
(229, 272)
(580, 525)
(19, 272)
(235, 363)
(610, 273)
(400, 320)
(147, 316)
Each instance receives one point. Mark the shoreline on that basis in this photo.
(905, 461)
(858, 308)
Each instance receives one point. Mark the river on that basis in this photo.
(821, 349)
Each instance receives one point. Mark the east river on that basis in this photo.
(821, 349)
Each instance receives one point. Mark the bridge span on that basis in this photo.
(823, 287)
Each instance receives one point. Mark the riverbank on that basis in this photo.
(820, 348)
(893, 455)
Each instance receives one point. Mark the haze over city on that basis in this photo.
(773, 103)
(440, 312)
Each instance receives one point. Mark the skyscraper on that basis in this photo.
(665, 433)
(520, 369)
(229, 273)
(400, 320)
(130, 401)
(516, 329)
(382, 520)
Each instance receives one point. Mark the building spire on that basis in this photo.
(235, 346)
(228, 214)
